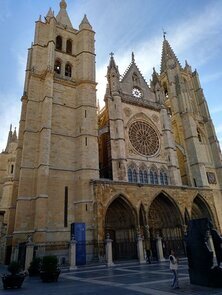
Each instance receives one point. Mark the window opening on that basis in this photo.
(68, 70)
(57, 67)
(69, 46)
(59, 42)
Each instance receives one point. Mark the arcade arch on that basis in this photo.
(166, 221)
(200, 209)
(120, 224)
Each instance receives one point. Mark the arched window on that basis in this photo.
(59, 42)
(165, 178)
(155, 178)
(57, 67)
(130, 175)
(161, 178)
(151, 177)
(134, 175)
(69, 46)
(68, 70)
(141, 176)
(145, 177)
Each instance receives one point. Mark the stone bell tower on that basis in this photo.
(197, 146)
(57, 147)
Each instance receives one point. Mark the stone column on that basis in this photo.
(29, 254)
(109, 251)
(159, 248)
(72, 254)
(140, 250)
(15, 253)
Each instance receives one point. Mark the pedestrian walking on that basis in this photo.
(148, 256)
(174, 269)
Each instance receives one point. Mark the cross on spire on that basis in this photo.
(164, 34)
(111, 54)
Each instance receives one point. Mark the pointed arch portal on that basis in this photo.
(165, 220)
(200, 209)
(120, 223)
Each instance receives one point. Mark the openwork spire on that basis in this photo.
(167, 54)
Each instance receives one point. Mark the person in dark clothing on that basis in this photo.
(148, 255)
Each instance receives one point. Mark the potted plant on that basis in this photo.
(35, 266)
(16, 278)
(49, 269)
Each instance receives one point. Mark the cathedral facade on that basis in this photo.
(144, 165)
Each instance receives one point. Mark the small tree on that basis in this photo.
(49, 270)
(49, 263)
(35, 266)
(14, 267)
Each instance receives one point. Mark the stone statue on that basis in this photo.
(200, 257)
(217, 241)
(29, 239)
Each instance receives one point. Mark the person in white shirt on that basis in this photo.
(174, 269)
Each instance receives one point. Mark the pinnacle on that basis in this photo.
(112, 63)
(85, 23)
(50, 13)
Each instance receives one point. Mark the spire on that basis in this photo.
(113, 75)
(155, 78)
(167, 54)
(49, 15)
(85, 23)
(187, 67)
(62, 17)
(9, 138)
(14, 136)
(112, 65)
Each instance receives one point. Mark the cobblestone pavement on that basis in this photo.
(125, 278)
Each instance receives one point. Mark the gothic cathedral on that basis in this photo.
(142, 166)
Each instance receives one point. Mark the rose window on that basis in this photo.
(144, 138)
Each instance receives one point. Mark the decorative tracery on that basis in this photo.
(144, 138)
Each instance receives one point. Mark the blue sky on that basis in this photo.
(194, 30)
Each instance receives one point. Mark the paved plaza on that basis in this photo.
(125, 278)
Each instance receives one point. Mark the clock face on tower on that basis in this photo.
(136, 92)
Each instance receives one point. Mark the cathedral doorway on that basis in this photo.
(200, 209)
(120, 224)
(165, 221)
